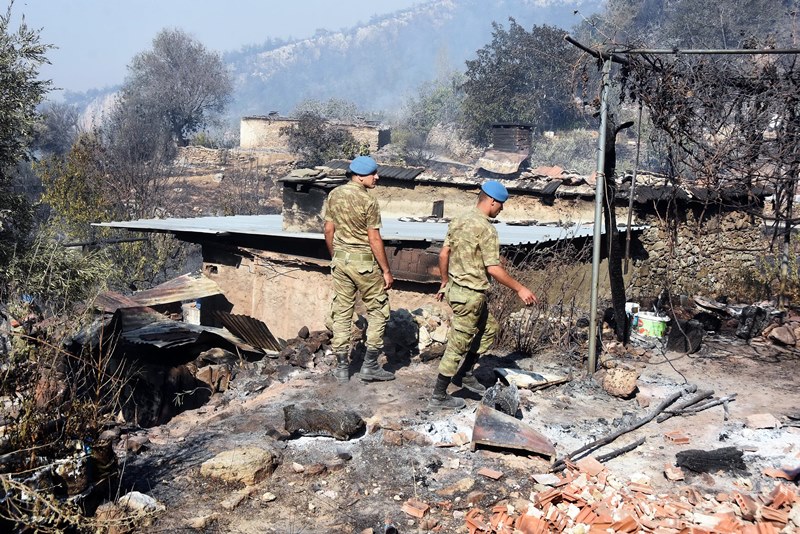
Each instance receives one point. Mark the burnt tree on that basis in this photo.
(614, 239)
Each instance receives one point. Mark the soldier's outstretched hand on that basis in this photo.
(527, 296)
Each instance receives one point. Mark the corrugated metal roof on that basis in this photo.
(393, 229)
(250, 329)
(186, 287)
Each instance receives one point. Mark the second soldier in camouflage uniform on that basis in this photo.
(470, 254)
(359, 264)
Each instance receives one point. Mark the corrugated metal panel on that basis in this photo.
(169, 334)
(251, 330)
(111, 301)
(393, 229)
(138, 317)
(185, 287)
(502, 162)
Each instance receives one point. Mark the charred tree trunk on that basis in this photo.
(614, 240)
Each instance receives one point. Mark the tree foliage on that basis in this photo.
(178, 83)
(691, 23)
(520, 76)
(316, 140)
(21, 56)
(333, 109)
(436, 102)
(75, 186)
(58, 127)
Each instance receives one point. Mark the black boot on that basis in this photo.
(342, 370)
(468, 381)
(464, 377)
(371, 371)
(440, 399)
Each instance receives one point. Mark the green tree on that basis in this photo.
(75, 186)
(21, 56)
(520, 76)
(316, 140)
(436, 102)
(179, 83)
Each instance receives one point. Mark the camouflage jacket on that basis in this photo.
(474, 246)
(353, 211)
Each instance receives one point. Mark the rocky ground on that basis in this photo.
(321, 484)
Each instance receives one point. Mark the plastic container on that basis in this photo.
(632, 309)
(652, 325)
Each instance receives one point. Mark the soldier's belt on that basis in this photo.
(353, 256)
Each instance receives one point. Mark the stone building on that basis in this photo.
(263, 132)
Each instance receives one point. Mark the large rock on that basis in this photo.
(619, 381)
(783, 335)
(248, 465)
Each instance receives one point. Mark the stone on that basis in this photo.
(140, 503)
(315, 470)
(392, 438)
(247, 465)
(620, 382)
(440, 334)
(762, 420)
(234, 500)
(303, 333)
(783, 335)
(201, 522)
(462, 486)
(136, 444)
(268, 497)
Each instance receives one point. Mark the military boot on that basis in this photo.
(464, 377)
(371, 371)
(468, 381)
(440, 399)
(342, 370)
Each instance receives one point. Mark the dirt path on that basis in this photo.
(368, 489)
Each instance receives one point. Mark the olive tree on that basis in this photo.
(21, 55)
(520, 76)
(179, 83)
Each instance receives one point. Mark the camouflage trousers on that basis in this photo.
(473, 328)
(351, 277)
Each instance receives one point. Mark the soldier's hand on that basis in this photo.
(527, 296)
(388, 280)
(440, 294)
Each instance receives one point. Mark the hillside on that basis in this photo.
(378, 64)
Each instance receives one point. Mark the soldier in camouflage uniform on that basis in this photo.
(470, 254)
(359, 264)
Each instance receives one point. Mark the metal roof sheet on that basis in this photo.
(186, 287)
(510, 234)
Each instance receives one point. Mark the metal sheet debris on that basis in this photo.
(496, 429)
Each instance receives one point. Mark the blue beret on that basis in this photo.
(363, 165)
(496, 190)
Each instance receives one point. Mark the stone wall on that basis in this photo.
(205, 158)
(263, 133)
(287, 295)
(706, 254)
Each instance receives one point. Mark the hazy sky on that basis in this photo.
(96, 39)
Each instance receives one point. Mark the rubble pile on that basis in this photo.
(587, 498)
